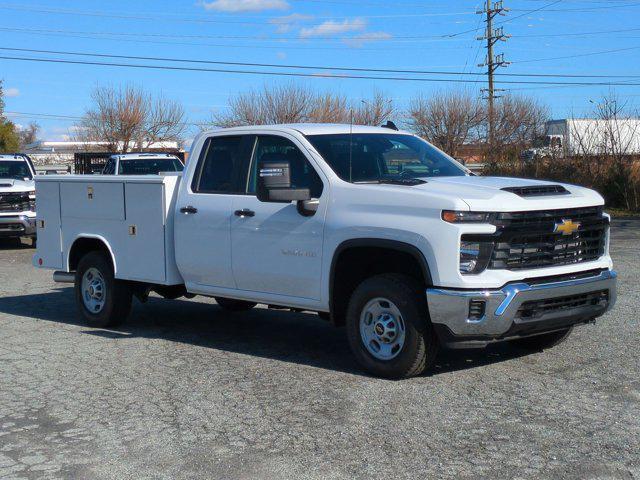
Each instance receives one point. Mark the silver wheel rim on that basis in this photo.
(94, 290)
(382, 328)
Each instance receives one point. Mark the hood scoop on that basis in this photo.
(6, 185)
(538, 190)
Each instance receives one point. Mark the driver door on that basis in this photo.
(276, 249)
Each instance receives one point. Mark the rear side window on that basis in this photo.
(221, 166)
(149, 166)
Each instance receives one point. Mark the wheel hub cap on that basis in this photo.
(93, 290)
(382, 328)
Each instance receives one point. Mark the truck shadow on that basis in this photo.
(7, 244)
(289, 337)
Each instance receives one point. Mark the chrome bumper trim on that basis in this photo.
(451, 307)
(28, 223)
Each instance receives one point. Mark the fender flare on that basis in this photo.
(100, 238)
(378, 243)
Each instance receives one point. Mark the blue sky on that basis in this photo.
(403, 34)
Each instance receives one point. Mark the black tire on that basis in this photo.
(117, 294)
(420, 345)
(232, 305)
(544, 341)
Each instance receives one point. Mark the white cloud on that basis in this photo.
(11, 92)
(332, 28)
(235, 6)
(359, 40)
(285, 24)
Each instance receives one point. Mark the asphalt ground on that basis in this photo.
(185, 390)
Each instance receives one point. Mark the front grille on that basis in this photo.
(527, 240)
(539, 308)
(11, 228)
(14, 202)
(538, 190)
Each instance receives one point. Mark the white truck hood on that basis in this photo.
(486, 194)
(8, 185)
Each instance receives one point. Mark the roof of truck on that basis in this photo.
(18, 157)
(318, 128)
(143, 156)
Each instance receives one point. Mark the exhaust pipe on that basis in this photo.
(64, 277)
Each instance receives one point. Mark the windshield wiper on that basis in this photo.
(409, 182)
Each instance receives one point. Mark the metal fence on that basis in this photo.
(89, 163)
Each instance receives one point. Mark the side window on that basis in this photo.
(272, 148)
(221, 166)
(109, 167)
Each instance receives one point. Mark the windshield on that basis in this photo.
(147, 166)
(15, 170)
(377, 157)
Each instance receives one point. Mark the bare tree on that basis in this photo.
(28, 134)
(294, 103)
(447, 119)
(127, 117)
(164, 121)
(272, 105)
(329, 108)
(518, 122)
(374, 111)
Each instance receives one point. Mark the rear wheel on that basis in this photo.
(544, 341)
(102, 300)
(388, 328)
(234, 305)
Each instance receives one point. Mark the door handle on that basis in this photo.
(189, 210)
(245, 212)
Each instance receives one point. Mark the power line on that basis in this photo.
(528, 12)
(281, 38)
(304, 75)
(182, 19)
(578, 55)
(307, 67)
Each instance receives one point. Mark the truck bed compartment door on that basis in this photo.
(142, 253)
(48, 225)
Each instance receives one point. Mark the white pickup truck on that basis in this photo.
(372, 228)
(17, 197)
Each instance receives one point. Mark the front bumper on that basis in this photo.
(17, 226)
(521, 308)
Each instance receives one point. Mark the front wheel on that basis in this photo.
(102, 300)
(388, 327)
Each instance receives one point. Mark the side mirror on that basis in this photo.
(274, 184)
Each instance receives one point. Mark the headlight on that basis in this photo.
(451, 216)
(474, 255)
(32, 200)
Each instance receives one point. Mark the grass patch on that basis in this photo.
(621, 213)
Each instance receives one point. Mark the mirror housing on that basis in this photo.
(274, 184)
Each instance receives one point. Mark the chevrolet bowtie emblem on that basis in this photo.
(567, 227)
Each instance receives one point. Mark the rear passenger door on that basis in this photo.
(205, 210)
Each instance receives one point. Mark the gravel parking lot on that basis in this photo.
(185, 390)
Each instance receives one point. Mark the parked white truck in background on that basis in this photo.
(588, 137)
(17, 197)
(370, 227)
(142, 164)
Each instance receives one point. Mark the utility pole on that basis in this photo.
(493, 62)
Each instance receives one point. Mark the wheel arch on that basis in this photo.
(84, 244)
(399, 250)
